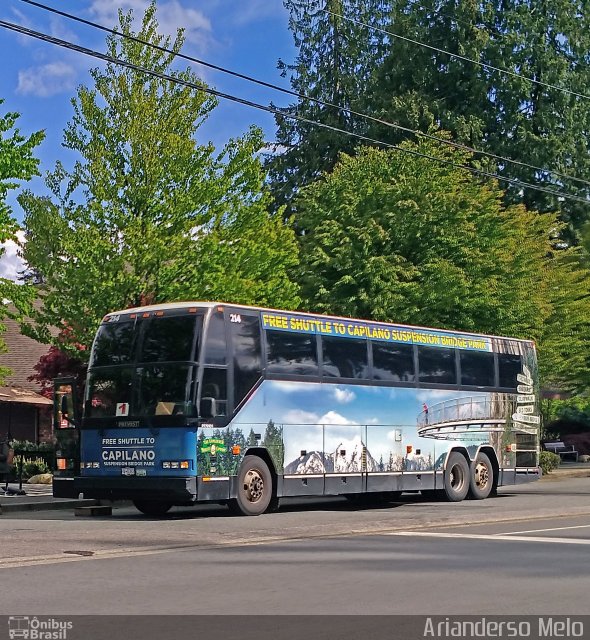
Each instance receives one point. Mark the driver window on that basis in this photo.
(215, 387)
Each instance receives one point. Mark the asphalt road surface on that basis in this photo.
(522, 553)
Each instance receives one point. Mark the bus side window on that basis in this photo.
(214, 393)
(477, 368)
(508, 366)
(344, 358)
(245, 336)
(292, 353)
(216, 350)
(393, 362)
(437, 365)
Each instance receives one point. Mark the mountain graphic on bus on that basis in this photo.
(342, 460)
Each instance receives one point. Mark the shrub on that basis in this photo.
(548, 461)
(32, 447)
(31, 467)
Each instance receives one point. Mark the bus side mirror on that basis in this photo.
(208, 408)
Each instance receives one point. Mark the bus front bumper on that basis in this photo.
(176, 490)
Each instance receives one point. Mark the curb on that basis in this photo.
(42, 505)
(556, 474)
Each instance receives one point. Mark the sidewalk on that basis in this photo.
(39, 496)
(569, 470)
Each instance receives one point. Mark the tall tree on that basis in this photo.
(148, 214)
(17, 163)
(397, 237)
(335, 61)
(503, 113)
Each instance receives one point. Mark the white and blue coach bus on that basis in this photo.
(196, 401)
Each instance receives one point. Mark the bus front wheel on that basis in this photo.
(152, 508)
(254, 492)
(456, 479)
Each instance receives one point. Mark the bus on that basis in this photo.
(194, 402)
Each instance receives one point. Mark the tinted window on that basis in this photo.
(107, 387)
(345, 358)
(114, 344)
(215, 386)
(477, 368)
(291, 353)
(437, 365)
(394, 362)
(169, 339)
(508, 366)
(216, 349)
(164, 390)
(247, 355)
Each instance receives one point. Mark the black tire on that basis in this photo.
(481, 477)
(152, 508)
(456, 478)
(254, 488)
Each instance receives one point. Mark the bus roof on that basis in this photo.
(209, 305)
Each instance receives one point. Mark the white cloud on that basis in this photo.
(59, 29)
(332, 417)
(10, 263)
(294, 387)
(170, 15)
(257, 10)
(343, 396)
(46, 80)
(299, 416)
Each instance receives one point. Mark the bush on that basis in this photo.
(32, 447)
(548, 461)
(31, 467)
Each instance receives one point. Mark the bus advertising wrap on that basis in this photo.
(359, 329)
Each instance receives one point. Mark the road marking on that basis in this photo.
(578, 526)
(476, 536)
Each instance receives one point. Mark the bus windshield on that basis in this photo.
(144, 367)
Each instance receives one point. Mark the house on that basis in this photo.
(24, 413)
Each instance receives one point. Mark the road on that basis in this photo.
(521, 553)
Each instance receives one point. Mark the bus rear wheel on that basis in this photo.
(152, 508)
(456, 479)
(481, 478)
(254, 492)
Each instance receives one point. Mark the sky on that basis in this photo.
(38, 79)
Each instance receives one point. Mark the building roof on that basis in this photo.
(23, 354)
(22, 396)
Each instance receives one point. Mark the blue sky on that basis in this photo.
(38, 79)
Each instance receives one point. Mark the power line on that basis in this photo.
(302, 96)
(201, 87)
(457, 55)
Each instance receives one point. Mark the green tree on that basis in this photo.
(336, 57)
(17, 163)
(273, 441)
(148, 214)
(502, 113)
(397, 237)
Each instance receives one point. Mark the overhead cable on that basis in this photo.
(457, 55)
(302, 96)
(278, 112)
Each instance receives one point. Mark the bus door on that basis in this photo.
(66, 428)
